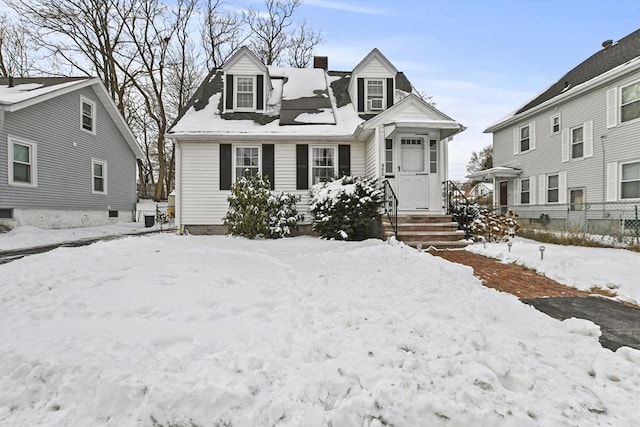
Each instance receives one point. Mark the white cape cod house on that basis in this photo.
(301, 126)
(570, 157)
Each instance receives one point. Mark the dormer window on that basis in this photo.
(245, 93)
(375, 95)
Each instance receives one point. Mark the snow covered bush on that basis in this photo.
(342, 208)
(256, 212)
(283, 214)
(494, 227)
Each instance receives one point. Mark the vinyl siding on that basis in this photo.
(202, 203)
(244, 66)
(64, 153)
(621, 143)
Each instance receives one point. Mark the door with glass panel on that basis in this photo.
(413, 176)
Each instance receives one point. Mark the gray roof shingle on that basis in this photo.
(602, 61)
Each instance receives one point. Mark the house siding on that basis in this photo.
(621, 143)
(64, 153)
(244, 66)
(202, 203)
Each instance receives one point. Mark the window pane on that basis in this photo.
(87, 123)
(630, 171)
(245, 84)
(98, 184)
(21, 172)
(552, 196)
(631, 93)
(525, 185)
(631, 190)
(524, 133)
(553, 181)
(97, 169)
(524, 198)
(245, 100)
(577, 135)
(577, 200)
(21, 153)
(524, 145)
(374, 88)
(631, 111)
(576, 151)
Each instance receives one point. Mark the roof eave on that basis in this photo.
(603, 78)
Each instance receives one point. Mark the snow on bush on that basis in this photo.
(254, 211)
(343, 207)
(494, 227)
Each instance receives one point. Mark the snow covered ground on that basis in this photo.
(163, 330)
(580, 267)
(26, 237)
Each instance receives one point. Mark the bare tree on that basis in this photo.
(222, 33)
(269, 29)
(481, 160)
(302, 42)
(17, 50)
(150, 30)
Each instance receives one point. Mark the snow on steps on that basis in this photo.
(438, 231)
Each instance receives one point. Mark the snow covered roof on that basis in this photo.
(28, 88)
(309, 102)
(495, 172)
(608, 62)
(23, 92)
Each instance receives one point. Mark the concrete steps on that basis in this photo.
(438, 231)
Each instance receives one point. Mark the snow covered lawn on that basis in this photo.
(614, 269)
(219, 331)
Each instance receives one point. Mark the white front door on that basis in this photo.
(412, 174)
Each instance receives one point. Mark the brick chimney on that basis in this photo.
(321, 62)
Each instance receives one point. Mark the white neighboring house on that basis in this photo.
(576, 144)
(481, 190)
(302, 126)
(67, 157)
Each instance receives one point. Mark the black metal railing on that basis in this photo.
(459, 207)
(391, 206)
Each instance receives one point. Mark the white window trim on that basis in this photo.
(236, 81)
(95, 161)
(517, 138)
(619, 103)
(547, 188)
(94, 122)
(520, 191)
(559, 117)
(33, 151)
(583, 142)
(366, 94)
(619, 183)
(234, 158)
(335, 160)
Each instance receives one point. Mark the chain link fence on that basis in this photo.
(618, 221)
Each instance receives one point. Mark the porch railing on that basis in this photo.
(458, 206)
(391, 206)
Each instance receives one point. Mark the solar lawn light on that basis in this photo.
(509, 244)
(541, 248)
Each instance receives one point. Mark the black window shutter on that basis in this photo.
(260, 92)
(390, 92)
(360, 95)
(229, 94)
(268, 169)
(344, 160)
(302, 166)
(225, 166)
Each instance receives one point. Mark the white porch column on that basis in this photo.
(178, 189)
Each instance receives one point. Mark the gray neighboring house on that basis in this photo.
(67, 157)
(576, 146)
(303, 126)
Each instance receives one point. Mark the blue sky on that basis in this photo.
(479, 59)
